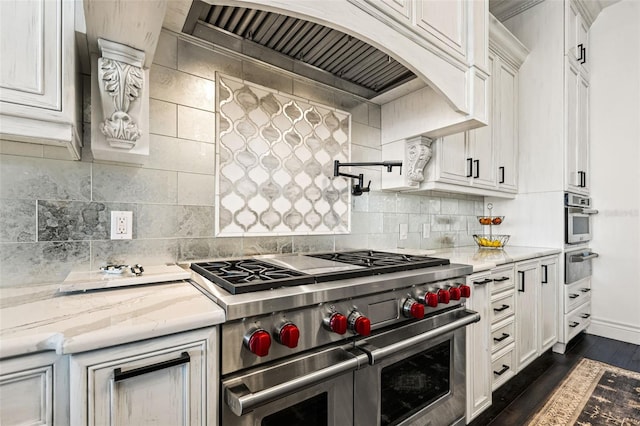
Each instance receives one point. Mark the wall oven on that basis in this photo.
(578, 218)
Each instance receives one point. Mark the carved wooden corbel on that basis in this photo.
(417, 155)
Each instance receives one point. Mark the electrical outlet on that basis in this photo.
(426, 230)
(404, 231)
(121, 225)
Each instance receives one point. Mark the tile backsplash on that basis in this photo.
(54, 214)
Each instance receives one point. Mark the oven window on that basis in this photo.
(414, 383)
(580, 225)
(310, 412)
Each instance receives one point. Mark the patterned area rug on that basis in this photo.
(593, 394)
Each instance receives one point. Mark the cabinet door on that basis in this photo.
(527, 289)
(31, 51)
(482, 146)
(479, 347)
(505, 125)
(454, 163)
(444, 23)
(573, 178)
(548, 303)
(582, 131)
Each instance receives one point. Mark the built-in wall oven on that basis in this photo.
(578, 218)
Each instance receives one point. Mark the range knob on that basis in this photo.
(258, 342)
(413, 309)
(454, 293)
(288, 335)
(431, 299)
(336, 322)
(443, 296)
(359, 324)
(465, 290)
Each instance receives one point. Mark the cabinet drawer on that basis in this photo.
(576, 294)
(502, 334)
(502, 280)
(503, 366)
(577, 321)
(502, 306)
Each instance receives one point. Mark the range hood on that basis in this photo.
(310, 49)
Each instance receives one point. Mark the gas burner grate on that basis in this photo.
(380, 262)
(243, 276)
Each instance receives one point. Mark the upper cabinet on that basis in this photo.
(481, 161)
(577, 36)
(39, 90)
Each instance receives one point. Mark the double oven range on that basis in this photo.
(336, 339)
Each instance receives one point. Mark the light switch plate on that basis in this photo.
(426, 230)
(404, 231)
(121, 225)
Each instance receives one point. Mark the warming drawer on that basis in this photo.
(577, 320)
(577, 294)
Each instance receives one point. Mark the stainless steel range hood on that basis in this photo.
(312, 50)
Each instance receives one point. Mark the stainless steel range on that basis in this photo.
(351, 338)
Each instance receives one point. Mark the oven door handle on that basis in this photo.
(581, 258)
(378, 354)
(241, 400)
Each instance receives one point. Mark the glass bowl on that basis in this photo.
(491, 242)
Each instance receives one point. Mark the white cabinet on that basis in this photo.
(505, 125)
(503, 333)
(536, 308)
(38, 79)
(33, 390)
(167, 380)
(576, 36)
(577, 130)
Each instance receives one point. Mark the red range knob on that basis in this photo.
(362, 326)
(258, 342)
(443, 296)
(454, 293)
(288, 335)
(413, 309)
(337, 323)
(431, 299)
(465, 290)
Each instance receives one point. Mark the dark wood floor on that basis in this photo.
(523, 395)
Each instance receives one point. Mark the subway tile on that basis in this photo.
(359, 204)
(382, 202)
(434, 205)
(440, 223)
(364, 135)
(408, 203)
(166, 53)
(365, 223)
(313, 243)
(359, 110)
(466, 207)
(411, 242)
(181, 88)
(196, 124)
(375, 115)
(391, 222)
(191, 249)
(77, 220)
(195, 221)
(133, 184)
(129, 252)
(266, 77)
(416, 222)
(196, 189)
(167, 153)
(383, 241)
(163, 118)
(42, 262)
(203, 62)
(449, 206)
(313, 92)
(17, 220)
(458, 223)
(365, 154)
(351, 242)
(39, 178)
(156, 221)
(252, 246)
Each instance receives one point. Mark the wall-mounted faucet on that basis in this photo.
(359, 188)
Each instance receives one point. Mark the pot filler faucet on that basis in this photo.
(359, 188)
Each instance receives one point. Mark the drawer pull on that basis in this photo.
(574, 324)
(501, 279)
(585, 316)
(573, 296)
(119, 375)
(501, 308)
(483, 282)
(585, 290)
(500, 339)
(503, 370)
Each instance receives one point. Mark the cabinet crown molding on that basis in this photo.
(505, 44)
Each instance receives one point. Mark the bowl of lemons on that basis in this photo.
(491, 241)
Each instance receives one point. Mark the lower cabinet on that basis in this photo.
(169, 380)
(33, 390)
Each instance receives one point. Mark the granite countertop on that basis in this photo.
(38, 318)
(485, 259)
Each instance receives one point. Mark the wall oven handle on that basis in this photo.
(581, 258)
(241, 400)
(589, 211)
(378, 354)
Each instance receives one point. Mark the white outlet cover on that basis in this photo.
(426, 230)
(404, 231)
(125, 216)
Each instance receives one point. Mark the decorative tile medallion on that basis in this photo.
(274, 163)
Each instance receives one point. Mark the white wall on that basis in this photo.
(615, 165)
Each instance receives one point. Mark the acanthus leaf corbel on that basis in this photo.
(417, 154)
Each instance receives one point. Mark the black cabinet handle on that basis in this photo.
(501, 308)
(585, 290)
(581, 51)
(500, 339)
(522, 275)
(545, 274)
(503, 370)
(119, 375)
(477, 175)
(501, 279)
(585, 316)
(469, 167)
(574, 324)
(485, 281)
(584, 179)
(584, 55)
(501, 169)
(573, 296)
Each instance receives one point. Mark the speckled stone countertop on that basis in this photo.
(38, 318)
(485, 259)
